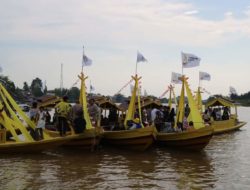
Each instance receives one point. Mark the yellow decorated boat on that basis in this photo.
(195, 138)
(136, 139)
(32, 146)
(91, 136)
(15, 136)
(227, 123)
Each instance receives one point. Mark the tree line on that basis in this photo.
(37, 89)
(244, 99)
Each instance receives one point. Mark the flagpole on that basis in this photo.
(136, 67)
(89, 86)
(61, 79)
(82, 59)
(181, 64)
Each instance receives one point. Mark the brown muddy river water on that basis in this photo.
(224, 164)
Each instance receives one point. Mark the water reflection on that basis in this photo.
(192, 170)
(108, 169)
(125, 169)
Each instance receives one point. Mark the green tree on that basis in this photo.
(9, 85)
(119, 98)
(60, 93)
(74, 94)
(26, 87)
(36, 87)
(164, 100)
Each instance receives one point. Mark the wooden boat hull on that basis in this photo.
(31, 147)
(193, 139)
(89, 139)
(226, 126)
(136, 139)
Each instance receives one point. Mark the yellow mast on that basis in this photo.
(194, 112)
(83, 101)
(180, 108)
(170, 97)
(194, 115)
(171, 92)
(131, 107)
(199, 99)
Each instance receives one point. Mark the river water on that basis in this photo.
(224, 164)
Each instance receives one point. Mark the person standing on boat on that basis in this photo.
(225, 115)
(34, 116)
(206, 116)
(62, 110)
(171, 117)
(94, 112)
(47, 117)
(34, 113)
(153, 114)
(76, 109)
(187, 110)
(40, 124)
(79, 122)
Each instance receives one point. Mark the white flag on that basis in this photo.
(140, 58)
(190, 60)
(204, 76)
(232, 90)
(145, 92)
(86, 61)
(176, 78)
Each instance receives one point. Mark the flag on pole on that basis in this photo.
(176, 78)
(86, 61)
(145, 93)
(140, 58)
(204, 76)
(190, 60)
(232, 90)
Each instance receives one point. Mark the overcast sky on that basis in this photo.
(37, 36)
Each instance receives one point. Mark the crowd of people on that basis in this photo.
(64, 117)
(216, 114)
(162, 118)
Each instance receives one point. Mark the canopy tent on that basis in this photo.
(219, 101)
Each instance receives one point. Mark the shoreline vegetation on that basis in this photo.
(244, 103)
(37, 89)
(243, 99)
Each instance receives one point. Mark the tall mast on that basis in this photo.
(61, 79)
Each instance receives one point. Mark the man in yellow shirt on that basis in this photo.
(62, 110)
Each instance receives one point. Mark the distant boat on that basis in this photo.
(228, 121)
(136, 139)
(197, 137)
